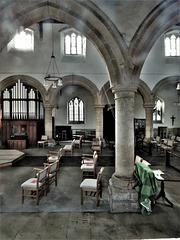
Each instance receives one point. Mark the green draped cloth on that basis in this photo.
(147, 186)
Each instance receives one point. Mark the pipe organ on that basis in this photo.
(21, 102)
(22, 109)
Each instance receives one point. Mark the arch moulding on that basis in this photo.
(75, 80)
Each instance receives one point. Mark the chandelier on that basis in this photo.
(52, 74)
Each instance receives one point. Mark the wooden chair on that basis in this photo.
(69, 148)
(88, 158)
(33, 187)
(93, 187)
(168, 145)
(44, 141)
(138, 159)
(96, 146)
(89, 169)
(52, 172)
(78, 142)
(54, 156)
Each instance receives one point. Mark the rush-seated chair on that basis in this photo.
(92, 187)
(33, 187)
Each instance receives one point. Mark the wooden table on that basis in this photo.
(167, 177)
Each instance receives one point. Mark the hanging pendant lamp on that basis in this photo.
(52, 74)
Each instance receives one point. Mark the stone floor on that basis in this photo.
(60, 215)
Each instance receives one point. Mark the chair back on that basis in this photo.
(42, 175)
(178, 139)
(170, 143)
(44, 138)
(60, 153)
(72, 143)
(95, 159)
(138, 159)
(99, 176)
(53, 167)
(94, 154)
(158, 138)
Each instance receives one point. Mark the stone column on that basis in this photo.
(122, 195)
(99, 120)
(149, 119)
(48, 120)
(0, 125)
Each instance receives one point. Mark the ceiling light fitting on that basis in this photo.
(52, 74)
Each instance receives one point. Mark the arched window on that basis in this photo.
(74, 44)
(23, 41)
(158, 111)
(22, 102)
(172, 43)
(76, 111)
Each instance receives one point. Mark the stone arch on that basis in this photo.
(160, 19)
(103, 92)
(25, 79)
(87, 19)
(75, 80)
(145, 92)
(172, 80)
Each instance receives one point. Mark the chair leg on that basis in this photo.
(81, 196)
(37, 197)
(56, 180)
(22, 196)
(97, 199)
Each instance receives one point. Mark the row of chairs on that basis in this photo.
(166, 144)
(90, 185)
(41, 181)
(43, 178)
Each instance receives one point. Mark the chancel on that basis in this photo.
(85, 76)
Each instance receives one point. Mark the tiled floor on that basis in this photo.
(60, 215)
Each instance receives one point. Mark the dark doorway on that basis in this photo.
(109, 122)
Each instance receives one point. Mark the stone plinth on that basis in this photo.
(122, 195)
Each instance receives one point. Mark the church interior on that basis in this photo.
(92, 90)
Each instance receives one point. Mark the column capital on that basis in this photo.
(99, 106)
(48, 105)
(124, 88)
(148, 105)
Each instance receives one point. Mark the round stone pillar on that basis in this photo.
(99, 120)
(48, 120)
(0, 125)
(122, 195)
(149, 119)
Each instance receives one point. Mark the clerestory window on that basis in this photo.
(23, 41)
(76, 111)
(74, 44)
(172, 43)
